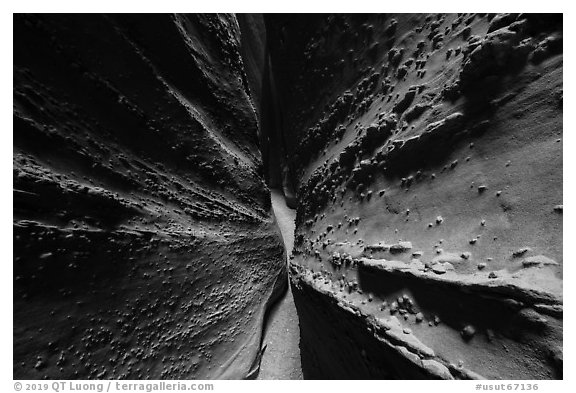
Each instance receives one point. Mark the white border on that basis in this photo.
(6, 34)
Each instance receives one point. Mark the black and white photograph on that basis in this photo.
(286, 196)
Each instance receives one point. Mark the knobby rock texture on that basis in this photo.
(427, 156)
(143, 240)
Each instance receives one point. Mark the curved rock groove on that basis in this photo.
(426, 150)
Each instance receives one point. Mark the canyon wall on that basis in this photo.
(423, 154)
(143, 240)
(427, 154)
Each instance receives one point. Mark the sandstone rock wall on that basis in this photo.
(427, 150)
(143, 240)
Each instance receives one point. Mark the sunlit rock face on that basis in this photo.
(426, 151)
(143, 240)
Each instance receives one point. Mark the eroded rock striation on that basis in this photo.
(143, 240)
(427, 151)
